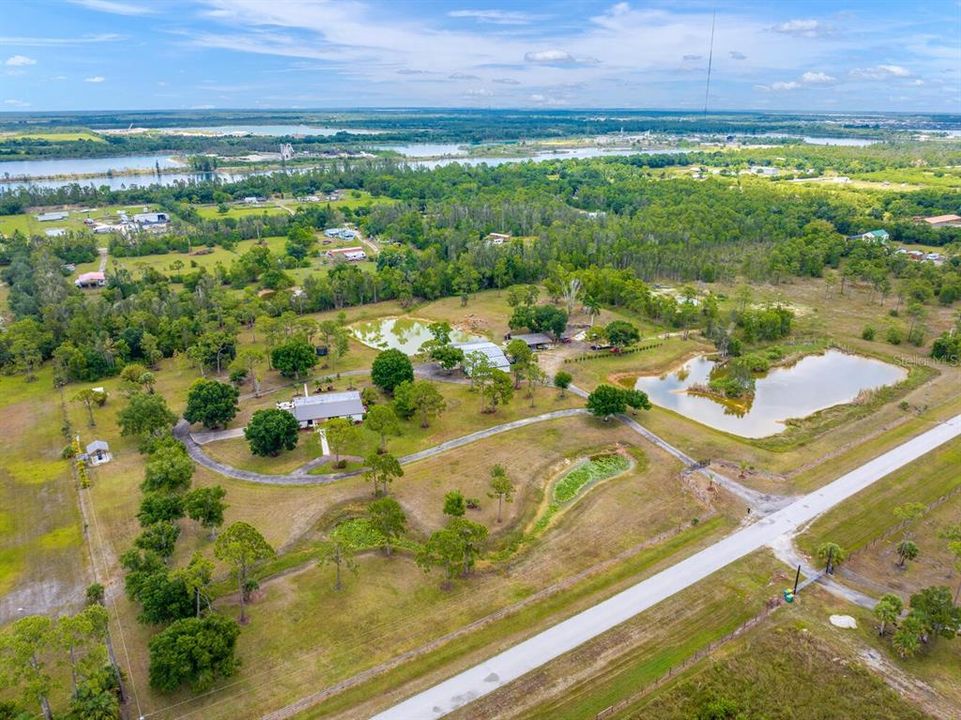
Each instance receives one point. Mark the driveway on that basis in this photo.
(540, 649)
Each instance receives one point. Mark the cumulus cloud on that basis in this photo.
(880, 72)
(808, 79)
(557, 57)
(494, 17)
(737, 55)
(95, 79)
(817, 78)
(479, 92)
(803, 28)
(19, 61)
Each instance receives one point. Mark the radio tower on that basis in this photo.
(710, 61)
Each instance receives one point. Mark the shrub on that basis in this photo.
(867, 333)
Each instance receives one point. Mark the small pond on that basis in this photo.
(404, 334)
(813, 383)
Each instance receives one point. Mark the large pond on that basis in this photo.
(814, 383)
(84, 166)
(404, 334)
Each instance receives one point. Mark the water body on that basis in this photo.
(840, 141)
(814, 383)
(268, 130)
(426, 149)
(146, 179)
(77, 166)
(404, 334)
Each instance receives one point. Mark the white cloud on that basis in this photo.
(114, 7)
(94, 79)
(16, 103)
(479, 92)
(692, 58)
(54, 42)
(737, 55)
(881, 72)
(506, 81)
(817, 78)
(557, 57)
(549, 56)
(462, 76)
(803, 28)
(494, 17)
(19, 61)
(808, 79)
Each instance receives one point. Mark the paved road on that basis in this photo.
(569, 634)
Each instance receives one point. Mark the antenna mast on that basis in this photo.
(710, 61)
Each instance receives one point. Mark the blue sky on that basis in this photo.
(784, 55)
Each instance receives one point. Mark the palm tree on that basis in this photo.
(593, 308)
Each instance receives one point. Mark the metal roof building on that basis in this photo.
(311, 410)
(492, 352)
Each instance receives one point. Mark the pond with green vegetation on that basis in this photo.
(401, 333)
(584, 474)
(814, 383)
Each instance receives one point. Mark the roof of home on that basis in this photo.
(91, 277)
(98, 445)
(878, 233)
(533, 338)
(493, 353)
(328, 405)
(943, 218)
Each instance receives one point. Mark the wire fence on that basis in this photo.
(609, 353)
(903, 525)
(675, 670)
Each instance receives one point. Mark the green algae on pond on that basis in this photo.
(814, 383)
(401, 333)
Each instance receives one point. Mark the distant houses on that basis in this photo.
(55, 232)
(313, 410)
(52, 216)
(497, 238)
(340, 233)
(91, 280)
(879, 237)
(350, 254)
(535, 341)
(938, 221)
(149, 219)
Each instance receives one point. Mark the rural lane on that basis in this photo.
(540, 649)
(182, 432)
(761, 502)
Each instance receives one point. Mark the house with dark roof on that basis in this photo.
(313, 410)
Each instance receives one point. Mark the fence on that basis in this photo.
(675, 670)
(608, 353)
(901, 526)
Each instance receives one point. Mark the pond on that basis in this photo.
(813, 383)
(404, 334)
(83, 166)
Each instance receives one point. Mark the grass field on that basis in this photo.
(869, 513)
(28, 224)
(794, 665)
(65, 136)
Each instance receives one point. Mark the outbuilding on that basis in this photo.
(91, 280)
(535, 341)
(495, 355)
(98, 453)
